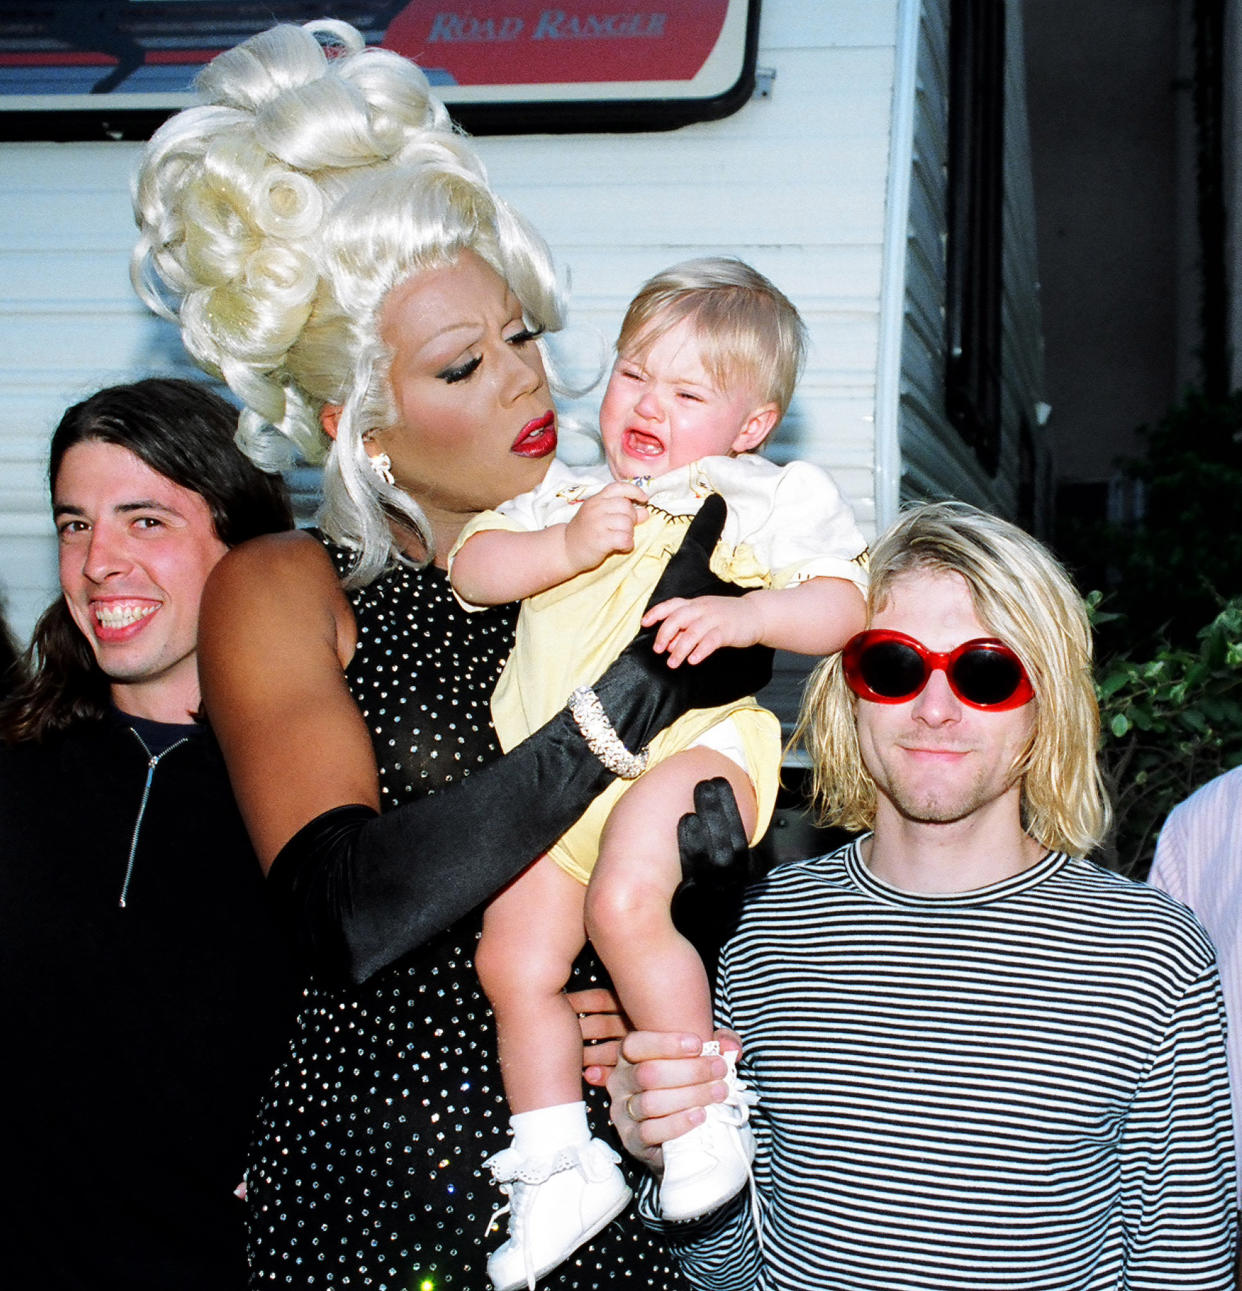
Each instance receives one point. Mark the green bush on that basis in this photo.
(1169, 569)
(1171, 721)
(1170, 689)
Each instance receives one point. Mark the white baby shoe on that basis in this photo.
(707, 1165)
(555, 1203)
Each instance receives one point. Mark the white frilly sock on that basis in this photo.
(548, 1129)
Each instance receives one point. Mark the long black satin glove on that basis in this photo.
(716, 866)
(361, 890)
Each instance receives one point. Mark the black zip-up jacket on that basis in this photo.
(138, 1038)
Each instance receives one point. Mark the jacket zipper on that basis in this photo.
(153, 760)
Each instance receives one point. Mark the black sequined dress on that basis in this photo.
(366, 1170)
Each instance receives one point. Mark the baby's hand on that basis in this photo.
(690, 630)
(603, 524)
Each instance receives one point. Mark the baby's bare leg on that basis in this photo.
(657, 972)
(532, 933)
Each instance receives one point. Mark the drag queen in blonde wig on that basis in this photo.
(330, 248)
(275, 219)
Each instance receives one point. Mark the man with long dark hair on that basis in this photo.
(142, 985)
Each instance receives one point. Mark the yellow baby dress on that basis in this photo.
(784, 525)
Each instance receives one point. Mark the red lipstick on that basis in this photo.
(537, 438)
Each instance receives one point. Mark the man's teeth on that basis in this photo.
(121, 616)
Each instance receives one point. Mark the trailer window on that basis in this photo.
(975, 223)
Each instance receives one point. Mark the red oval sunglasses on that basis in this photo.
(890, 668)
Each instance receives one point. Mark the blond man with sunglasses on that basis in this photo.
(981, 1060)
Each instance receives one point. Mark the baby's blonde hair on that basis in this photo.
(747, 329)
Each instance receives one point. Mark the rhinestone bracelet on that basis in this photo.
(600, 737)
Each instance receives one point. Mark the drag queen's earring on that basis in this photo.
(381, 464)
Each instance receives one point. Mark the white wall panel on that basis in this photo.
(833, 23)
(69, 323)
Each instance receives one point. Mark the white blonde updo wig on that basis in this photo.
(274, 219)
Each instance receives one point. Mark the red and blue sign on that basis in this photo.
(517, 43)
(557, 66)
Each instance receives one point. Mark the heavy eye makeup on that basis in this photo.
(460, 371)
(524, 335)
(467, 367)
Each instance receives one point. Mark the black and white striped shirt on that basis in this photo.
(1018, 1087)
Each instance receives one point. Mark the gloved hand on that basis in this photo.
(715, 867)
(640, 693)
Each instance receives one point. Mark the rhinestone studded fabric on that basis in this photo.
(366, 1170)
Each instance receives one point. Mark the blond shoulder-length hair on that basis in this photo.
(277, 214)
(1022, 596)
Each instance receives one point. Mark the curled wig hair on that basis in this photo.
(747, 329)
(1023, 596)
(274, 219)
